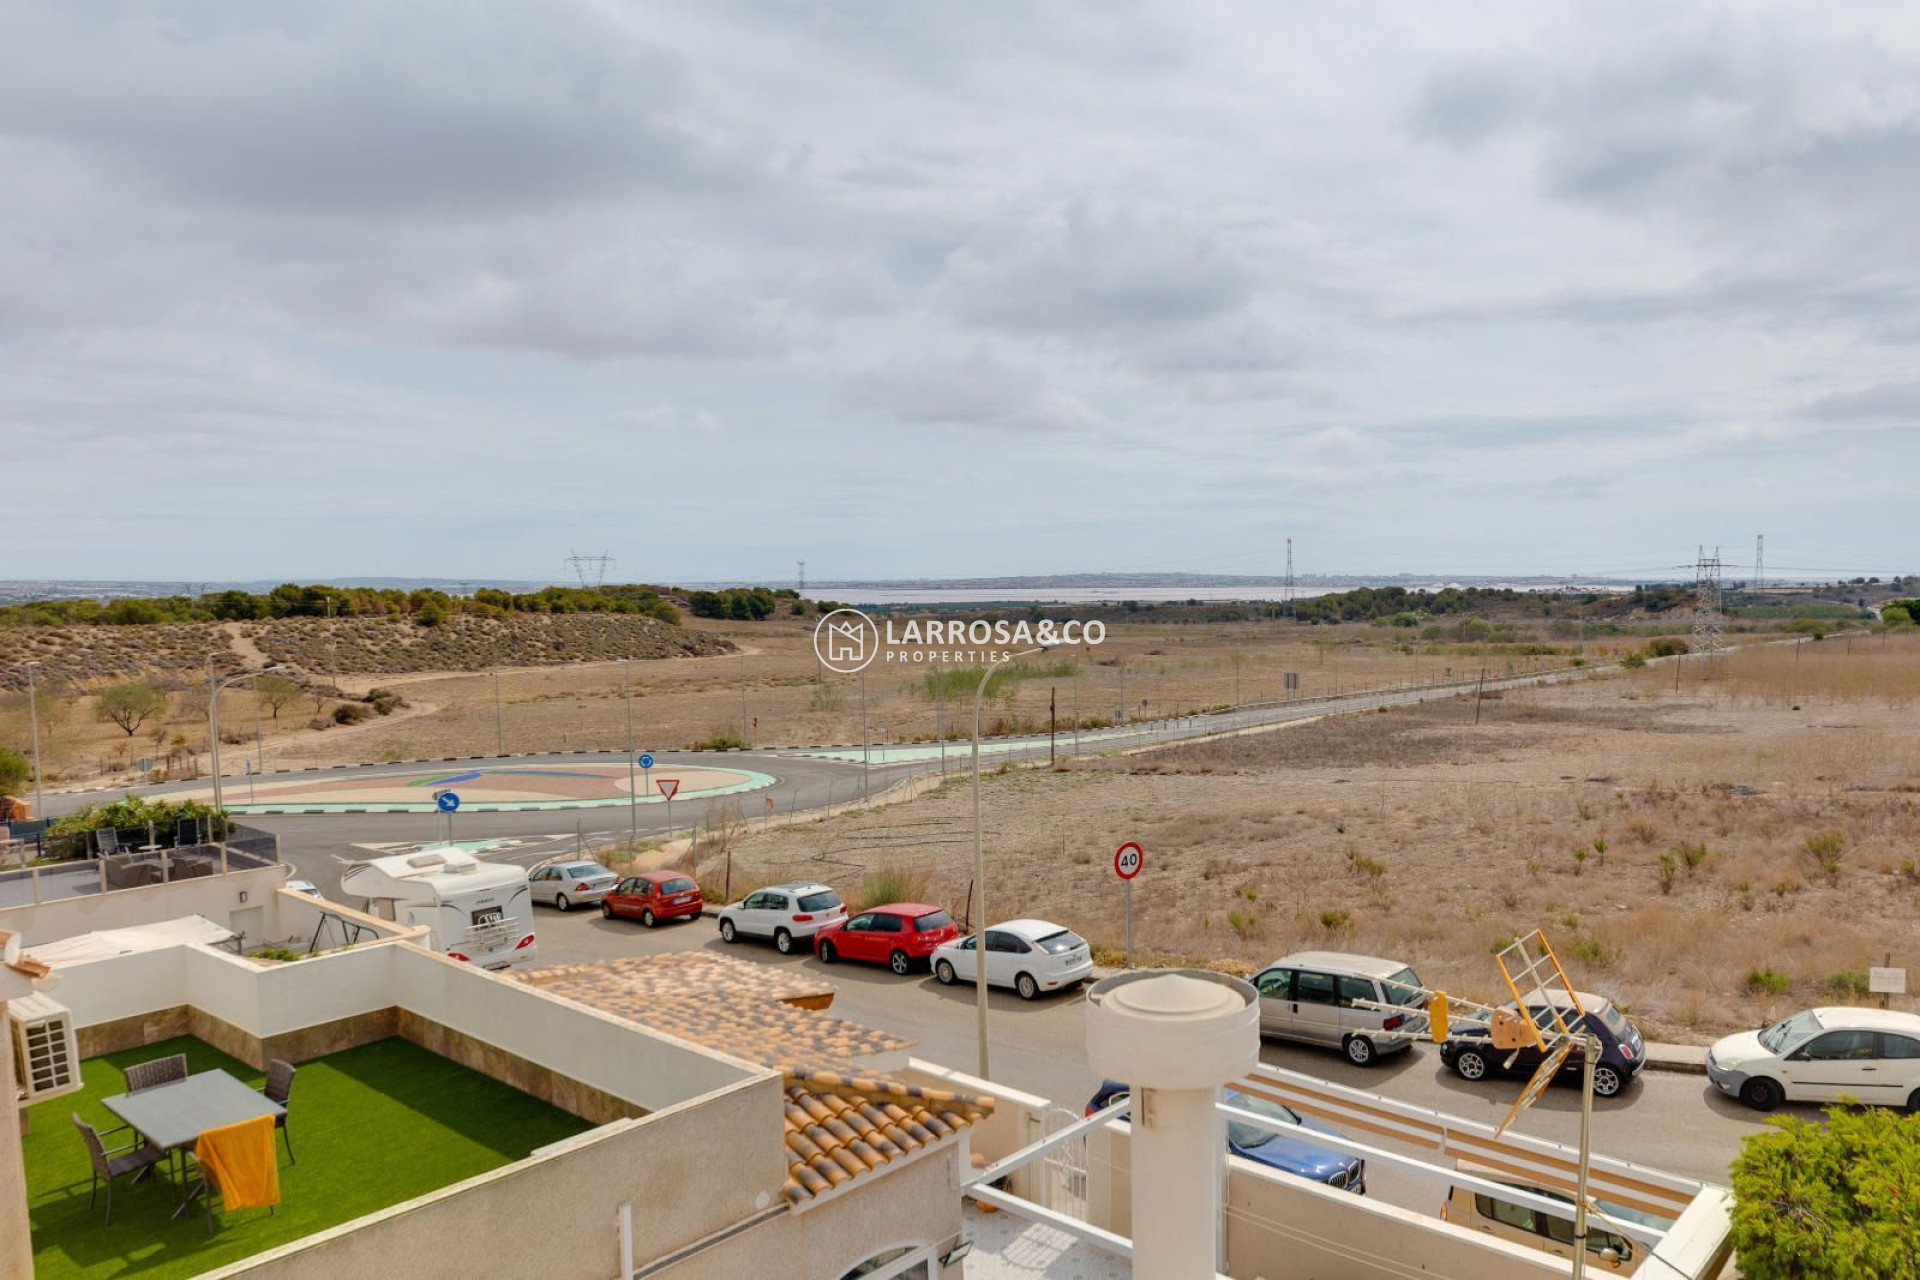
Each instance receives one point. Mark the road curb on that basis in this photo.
(1681, 1059)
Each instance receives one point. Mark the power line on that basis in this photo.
(591, 570)
(1707, 626)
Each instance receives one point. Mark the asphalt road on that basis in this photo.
(319, 846)
(1679, 1123)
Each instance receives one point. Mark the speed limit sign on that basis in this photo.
(1127, 859)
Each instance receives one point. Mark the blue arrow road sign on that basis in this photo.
(446, 800)
(646, 761)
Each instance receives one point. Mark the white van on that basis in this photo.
(479, 912)
(1611, 1250)
(1310, 996)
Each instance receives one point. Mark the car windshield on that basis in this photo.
(1059, 943)
(1242, 1134)
(1781, 1034)
(933, 920)
(820, 901)
(1404, 987)
(679, 884)
(1613, 1020)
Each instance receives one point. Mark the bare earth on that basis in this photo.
(1440, 839)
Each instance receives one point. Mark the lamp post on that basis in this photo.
(33, 715)
(980, 862)
(213, 718)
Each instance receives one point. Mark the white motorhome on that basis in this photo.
(480, 912)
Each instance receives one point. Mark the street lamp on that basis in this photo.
(213, 715)
(980, 862)
(33, 714)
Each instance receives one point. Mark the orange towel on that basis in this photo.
(239, 1160)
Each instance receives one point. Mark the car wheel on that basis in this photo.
(783, 942)
(1026, 986)
(726, 931)
(944, 972)
(562, 903)
(827, 955)
(1359, 1051)
(1470, 1065)
(898, 962)
(1913, 1103)
(646, 918)
(606, 909)
(1607, 1082)
(1761, 1094)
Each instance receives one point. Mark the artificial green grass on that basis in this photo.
(372, 1126)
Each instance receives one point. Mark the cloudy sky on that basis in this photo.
(446, 288)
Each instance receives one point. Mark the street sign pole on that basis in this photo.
(1127, 861)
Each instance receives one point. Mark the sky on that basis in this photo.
(454, 289)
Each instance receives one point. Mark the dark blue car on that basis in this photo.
(1276, 1151)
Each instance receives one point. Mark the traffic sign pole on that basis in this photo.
(1127, 861)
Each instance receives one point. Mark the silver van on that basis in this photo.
(1309, 996)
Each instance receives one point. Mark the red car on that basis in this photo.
(653, 896)
(895, 935)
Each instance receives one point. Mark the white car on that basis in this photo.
(1031, 956)
(784, 912)
(1823, 1055)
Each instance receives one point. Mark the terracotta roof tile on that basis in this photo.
(840, 1126)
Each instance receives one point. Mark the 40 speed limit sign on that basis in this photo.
(1127, 860)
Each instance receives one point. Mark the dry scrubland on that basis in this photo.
(1783, 796)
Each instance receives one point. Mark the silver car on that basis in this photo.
(1312, 996)
(570, 884)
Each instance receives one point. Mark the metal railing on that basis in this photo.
(51, 876)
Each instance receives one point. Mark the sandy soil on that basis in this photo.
(1439, 839)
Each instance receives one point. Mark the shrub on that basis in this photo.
(1847, 984)
(14, 770)
(1337, 920)
(722, 740)
(1243, 924)
(1597, 954)
(1829, 1201)
(134, 812)
(1763, 981)
(1580, 855)
(1634, 661)
(1690, 855)
(1826, 849)
(349, 713)
(1666, 647)
(889, 883)
(1669, 866)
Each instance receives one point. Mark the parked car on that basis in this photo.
(653, 896)
(1031, 956)
(1622, 1052)
(896, 935)
(787, 913)
(566, 885)
(1277, 1151)
(1309, 996)
(1523, 1225)
(307, 887)
(1823, 1055)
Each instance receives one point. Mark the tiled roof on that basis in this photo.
(765, 1015)
(839, 1127)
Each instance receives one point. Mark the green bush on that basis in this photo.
(1832, 1201)
(1666, 647)
(1766, 982)
(133, 812)
(1634, 661)
(14, 770)
(889, 883)
(1846, 984)
(727, 740)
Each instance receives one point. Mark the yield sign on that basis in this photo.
(668, 786)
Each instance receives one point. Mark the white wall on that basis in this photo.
(650, 1068)
(215, 897)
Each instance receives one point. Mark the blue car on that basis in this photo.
(1275, 1150)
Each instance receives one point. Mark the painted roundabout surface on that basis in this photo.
(504, 788)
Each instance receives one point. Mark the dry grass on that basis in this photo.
(1415, 834)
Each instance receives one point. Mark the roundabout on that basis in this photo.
(482, 788)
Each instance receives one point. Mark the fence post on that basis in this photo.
(34, 873)
(103, 875)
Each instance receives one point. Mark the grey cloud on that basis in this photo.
(976, 390)
(1896, 401)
